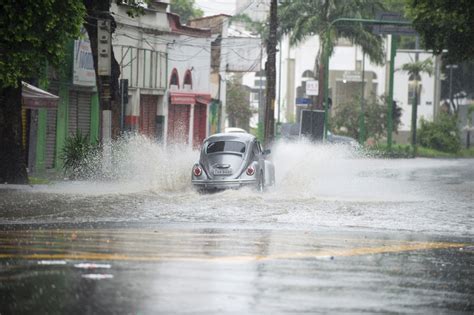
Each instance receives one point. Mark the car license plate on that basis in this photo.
(226, 171)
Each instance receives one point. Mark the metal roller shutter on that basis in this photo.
(178, 123)
(50, 138)
(79, 112)
(148, 109)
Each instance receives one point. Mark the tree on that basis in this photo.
(302, 19)
(270, 72)
(414, 69)
(346, 118)
(445, 25)
(34, 34)
(185, 9)
(238, 107)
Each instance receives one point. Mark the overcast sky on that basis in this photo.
(213, 7)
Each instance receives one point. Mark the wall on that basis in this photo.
(140, 47)
(426, 107)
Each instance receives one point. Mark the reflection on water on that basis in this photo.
(317, 185)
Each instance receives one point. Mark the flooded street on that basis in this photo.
(340, 232)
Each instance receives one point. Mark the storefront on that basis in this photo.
(39, 111)
(187, 117)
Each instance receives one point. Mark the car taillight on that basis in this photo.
(250, 171)
(197, 171)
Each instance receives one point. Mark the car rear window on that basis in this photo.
(225, 146)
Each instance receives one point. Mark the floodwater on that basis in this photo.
(341, 232)
(316, 186)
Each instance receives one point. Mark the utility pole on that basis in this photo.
(270, 69)
(390, 107)
(414, 108)
(362, 104)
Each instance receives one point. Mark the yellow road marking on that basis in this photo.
(241, 258)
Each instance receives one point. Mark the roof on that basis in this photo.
(177, 27)
(34, 97)
(242, 137)
(211, 17)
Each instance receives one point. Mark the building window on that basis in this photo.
(308, 74)
(260, 73)
(255, 96)
(260, 82)
(188, 80)
(174, 80)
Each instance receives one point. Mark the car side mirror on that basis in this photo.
(267, 152)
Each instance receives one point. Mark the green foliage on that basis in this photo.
(238, 104)
(302, 18)
(445, 25)
(76, 154)
(441, 135)
(417, 67)
(406, 151)
(38, 181)
(346, 118)
(470, 110)
(35, 33)
(397, 151)
(185, 9)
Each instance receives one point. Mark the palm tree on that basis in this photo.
(304, 18)
(414, 69)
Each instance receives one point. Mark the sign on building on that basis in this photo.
(303, 101)
(352, 76)
(83, 68)
(312, 87)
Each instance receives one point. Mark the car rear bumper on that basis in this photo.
(222, 184)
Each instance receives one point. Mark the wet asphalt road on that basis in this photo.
(380, 237)
(149, 270)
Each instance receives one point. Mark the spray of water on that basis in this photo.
(138, 179)
(135, 163)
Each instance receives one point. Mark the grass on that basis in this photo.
(38, 181)
(406, 151)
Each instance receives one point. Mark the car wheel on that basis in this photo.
(261, 183)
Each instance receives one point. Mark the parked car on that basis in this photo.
(232, 160)
(343, 140)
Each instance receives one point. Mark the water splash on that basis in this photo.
(135, 163)
(316, 185)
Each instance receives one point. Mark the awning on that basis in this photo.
(35, 98)
(185, 98)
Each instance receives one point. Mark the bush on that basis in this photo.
(75, 154)
(346, 118)
(441, 134)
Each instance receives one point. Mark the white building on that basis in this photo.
(189, 94)
(345, 79)
(142, 54)
(295, 66)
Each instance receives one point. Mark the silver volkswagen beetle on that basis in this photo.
(232, 160)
